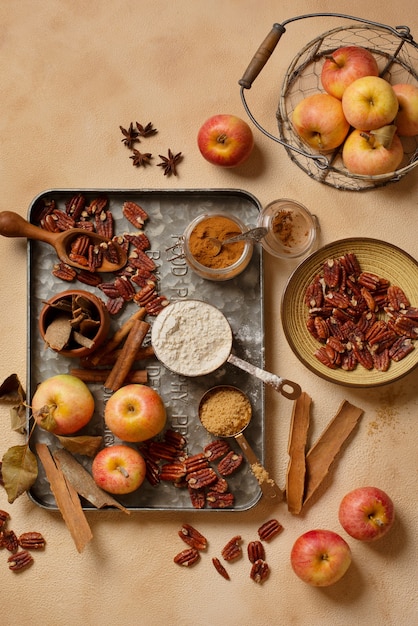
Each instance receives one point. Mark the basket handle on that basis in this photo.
(262, 55)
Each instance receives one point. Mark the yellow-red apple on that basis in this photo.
(406, 120)
(366, 513)
(225, 140)
(364, 153)
(344, 66)
(369, 103)
(319, 120)
(135, 413)
(320, 557)
(118, 469)
(62, 404)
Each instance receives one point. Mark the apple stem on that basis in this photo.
(368, 137)
(221, 138)
(123, 471)
(376, 520)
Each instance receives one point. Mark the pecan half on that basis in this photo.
(64, 272)
(202, 478)
(187, 557)
(173, 472)
(196, 462)
(20, 561)
(269, 530)
(31, 541)
(8, 540)
(134, 213)
(216, 449)
(193, 537)
(255, 550)
(232, 550)
(220, 568)
(4, 516)
(230, 463)
(197, 497)
(259, 571)
(220, 500)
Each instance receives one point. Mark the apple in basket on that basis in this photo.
(135, 413)
(366, 513)
(344, 66)
(62, 404)
(320, 557)
(118, 469)
(319, 120)
(370, 103)
(406, 120)
(225, 140)
(373, 153)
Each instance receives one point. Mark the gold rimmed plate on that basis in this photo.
(381, 258)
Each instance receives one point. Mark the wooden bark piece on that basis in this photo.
(296, 469)
(329, 444)
(83, 482)
(66, 498)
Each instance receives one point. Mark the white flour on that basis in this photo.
(191, 337)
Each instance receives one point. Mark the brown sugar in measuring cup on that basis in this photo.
(225, 411)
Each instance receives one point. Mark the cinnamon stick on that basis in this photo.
(121, 368)
(100, 376)
(296, 469)
(118, 337)
(329, 444)
(66, 498)
(144, 352)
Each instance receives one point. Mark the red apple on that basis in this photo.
(319, 120)
(62, 404)
(320, 557)
(135, 413)
(344, 66)
(225, 140)
(407, 118)
(366, 513)
(366, 153)
(118, 469)
(370, 103)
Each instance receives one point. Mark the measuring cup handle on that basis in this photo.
(279, 384)
(262, 55)
(267, 484)
(295, 389)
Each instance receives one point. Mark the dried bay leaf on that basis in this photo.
(45, 418)
(11, 391)
(19, 470)
(86, 445)
(58, 332)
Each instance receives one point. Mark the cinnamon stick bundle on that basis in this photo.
(118, 337)
(121, 368)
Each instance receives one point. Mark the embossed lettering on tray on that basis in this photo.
(240, 299)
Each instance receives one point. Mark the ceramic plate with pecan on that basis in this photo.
(350, 312)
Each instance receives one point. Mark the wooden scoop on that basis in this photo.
(13, 225)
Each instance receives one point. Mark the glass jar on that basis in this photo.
(292, 229)
(201, 255)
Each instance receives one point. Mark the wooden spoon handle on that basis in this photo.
(14, 225)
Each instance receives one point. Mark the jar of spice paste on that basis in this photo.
(203, 255)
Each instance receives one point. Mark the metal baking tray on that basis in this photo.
(240, 299)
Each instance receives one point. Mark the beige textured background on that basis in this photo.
(71, 72)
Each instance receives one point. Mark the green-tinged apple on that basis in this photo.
(135, 413)
(225, 140)
(366, 513)
(319, 120)
(320, 557)
(407, 118)
(370, 103)
(118, 469)
(344, 66)
(370, 154)
(62, 404)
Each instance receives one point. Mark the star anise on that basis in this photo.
(139, 158)
(130, 135)
(146, 131)
(169, 163)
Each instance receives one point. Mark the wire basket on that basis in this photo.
(397, 56)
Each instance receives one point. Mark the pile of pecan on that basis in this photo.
(19, 546)
(359, 317)
(136, 281)
(231, 551)
(203, 474)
